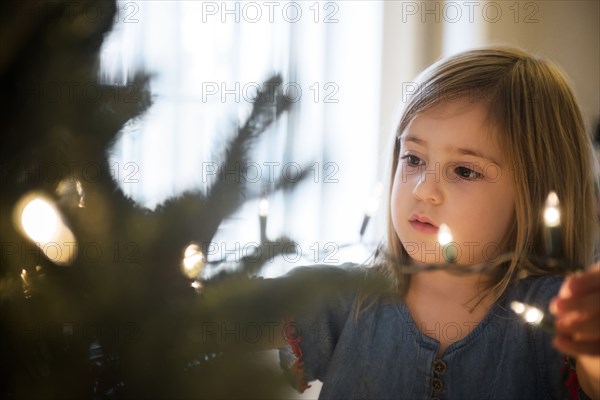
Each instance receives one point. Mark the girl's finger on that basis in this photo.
(587, 304)
(582, 282)
(566, 345)
(580, 331)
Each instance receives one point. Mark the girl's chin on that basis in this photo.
(427, 259)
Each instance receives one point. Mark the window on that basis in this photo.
(206, 59)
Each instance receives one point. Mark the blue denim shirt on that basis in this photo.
(383, 355)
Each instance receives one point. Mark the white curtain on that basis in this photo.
(206, 58)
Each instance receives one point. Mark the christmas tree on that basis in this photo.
(100, 297)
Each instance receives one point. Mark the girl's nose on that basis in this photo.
(428, 188)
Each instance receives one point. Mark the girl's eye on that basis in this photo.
(413, 160)
(467, 173)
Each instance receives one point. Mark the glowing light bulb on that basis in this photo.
(40, 220)
(449, 250)
(80, 192)
(552, 211)
(518, 307)
(444, 235)
(197, 286)
(193, 261)
(263, 207)
(533, 315)
(71, 193)
(25, 284)
(552, 234)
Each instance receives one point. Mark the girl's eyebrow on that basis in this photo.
(411, 138)
(475, 153)
(458, 150)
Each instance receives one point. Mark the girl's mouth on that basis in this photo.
(423, 224)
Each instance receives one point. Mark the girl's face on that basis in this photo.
(451, 170)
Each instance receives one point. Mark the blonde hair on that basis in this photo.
(541, 134)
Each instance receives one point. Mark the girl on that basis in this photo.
(479, 146)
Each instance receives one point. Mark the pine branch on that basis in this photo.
(228, 193)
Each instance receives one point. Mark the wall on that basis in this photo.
(567, 32)
(417, 33)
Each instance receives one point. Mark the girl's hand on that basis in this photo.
(577, 312)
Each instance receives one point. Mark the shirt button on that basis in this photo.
(439, 367)
(437, 385)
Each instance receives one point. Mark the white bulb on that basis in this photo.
(39, 220)
(552, 217)
(444, 235)
(517, 307)
(196, 285)
(263, 207)
(533, 315)
(193, 261)
(551, 210)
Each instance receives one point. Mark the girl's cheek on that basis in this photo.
(407, 176)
